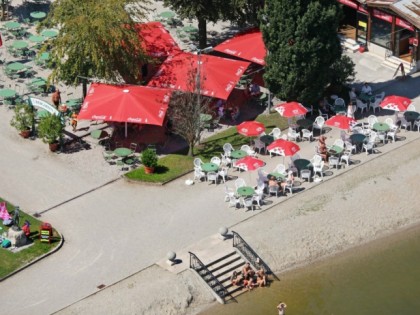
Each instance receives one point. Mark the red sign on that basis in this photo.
(349, 3)
(404, 24)
(383, 16)
(415, 42)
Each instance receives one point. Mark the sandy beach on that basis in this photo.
(116, 232)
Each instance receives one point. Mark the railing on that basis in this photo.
(209, 278)
(250, 255)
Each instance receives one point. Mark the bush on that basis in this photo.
(23, 118)
(149, 158)
(50, 128)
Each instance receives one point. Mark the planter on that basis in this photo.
(362, 48)
(25, 133)
(53, 146)
(149, 170)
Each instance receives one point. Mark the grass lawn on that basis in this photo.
(12, 261)
(174, 165)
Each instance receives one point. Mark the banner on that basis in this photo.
(383, 16)
(36, 102)
(404, 24)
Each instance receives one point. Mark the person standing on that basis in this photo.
(56, 98)
(282, 308)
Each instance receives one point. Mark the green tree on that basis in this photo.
(303, 48)
(239, 11)
(96, 39)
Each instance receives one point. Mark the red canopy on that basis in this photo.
(397, 103)
(157, 41)
(291, 109)
(289, 148)
(125, 103)
(250, 128)
(341, 122)
(248, 46)
(219, 76)
(251, 163)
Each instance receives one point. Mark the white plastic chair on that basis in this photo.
(258, 198)
(392, 133)
(248, 202)
(345, 157)
(199, 174)
(417, 124)
(241, 167)
(339, 143)
(225, 161)
(227, 148)
(292, 134)
(307, 134)
(316, 159)
(198, 163)
(288, 186)
(319, 168)
(276, 133)
(229, 193)
(281, 169)
(360, 105)
(349, 146)
(273, 190)
(240, 182)
(404, 123)
(248, 150)
(380, 96)
(305, 175)
(259, 145)
(212, 177)
(216, 160)
(333, 161)
(372, 119)
(390, 122)
(223, 173)
(369, 146)
(411, 107)
(319, 123)
(234, 201)
(375, 105)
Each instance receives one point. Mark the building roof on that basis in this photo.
(408, 9)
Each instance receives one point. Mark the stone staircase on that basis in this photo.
(223, 267)
(394, 62)
(348, 43)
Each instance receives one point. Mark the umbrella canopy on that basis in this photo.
(291, 109)
(125, 103)
(341, 122)
(218, 76)
(396, 103)
(248, 46)
(289, 148)
(156, 40)
(250, 128)
(251, 163)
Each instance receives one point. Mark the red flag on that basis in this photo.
(1, 41)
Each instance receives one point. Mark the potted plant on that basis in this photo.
(23, 119)
(50, 129)
(149, 160)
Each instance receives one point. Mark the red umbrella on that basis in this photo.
(289, 148)
(125, 103)
(219, 76)
(397, 103)
(291, 109)
(250, 128)
(248, 46)
(156, 40)
(341, 122)
(250, 162)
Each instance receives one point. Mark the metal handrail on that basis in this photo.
(250, 254)
(208, 277)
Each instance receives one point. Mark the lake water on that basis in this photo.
(382, 277)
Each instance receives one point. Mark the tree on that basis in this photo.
(96, 39)
(240, 11)
(185, 109)
(303, 48)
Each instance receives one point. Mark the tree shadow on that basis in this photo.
(161, 169)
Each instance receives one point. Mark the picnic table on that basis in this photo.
(190, 29)
(238, 154)
(7, 93)
(167, 14)
(302, 164)
(335, 150)
(50, 33)
(12, 25)
(20, 44)
(38, 82)
(38, 15)
(277, 175)
(304, 123)
(245, 191)
(36, 38)
(267, 139)
(209, 167)
(123, 152)
(15, 66)
(381, 127)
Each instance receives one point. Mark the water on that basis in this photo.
(382, 277)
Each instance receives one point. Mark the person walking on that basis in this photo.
(56, 98)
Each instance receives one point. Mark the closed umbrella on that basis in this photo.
(396, 103)
(341, 122)
(250, 128)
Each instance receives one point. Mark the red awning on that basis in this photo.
(125, 103)
(157, 41)
(248, 46)
(219, 76)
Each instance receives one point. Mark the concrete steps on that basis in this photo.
(349, 44)
(394, 62)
